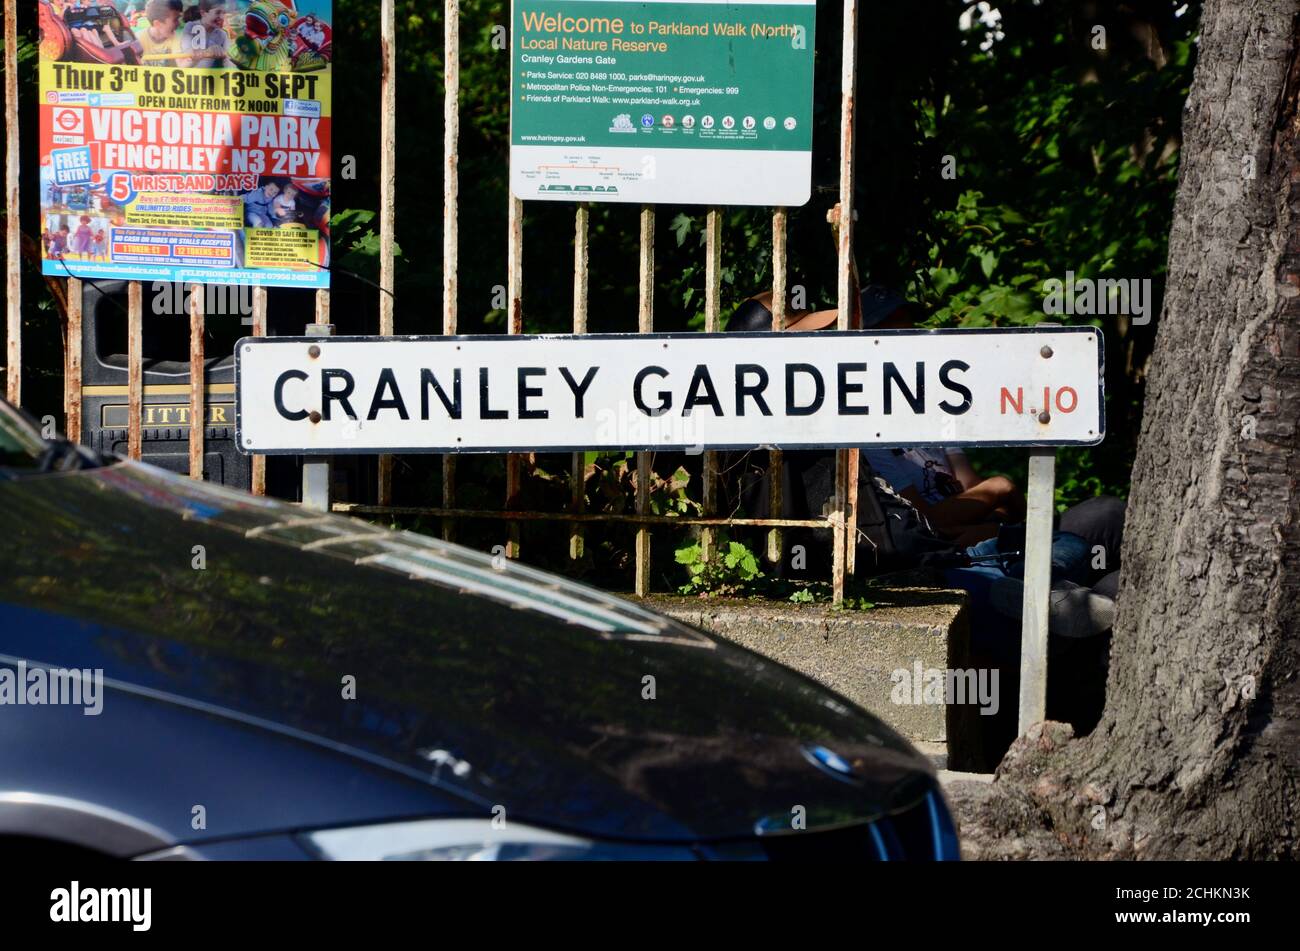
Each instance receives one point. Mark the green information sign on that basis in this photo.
(684, 102)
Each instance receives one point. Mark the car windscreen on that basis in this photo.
(21, 445)
(24, 451)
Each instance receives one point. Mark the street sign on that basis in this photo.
(334, 395)
(686, 102)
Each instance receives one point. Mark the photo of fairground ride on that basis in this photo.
(87, 33)
(304, 205)
(271, 35)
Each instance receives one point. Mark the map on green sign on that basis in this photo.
(688, 102)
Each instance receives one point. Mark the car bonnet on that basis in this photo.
(492, 680)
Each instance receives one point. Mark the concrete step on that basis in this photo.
(871, 656)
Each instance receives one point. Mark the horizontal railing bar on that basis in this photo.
(356, 508)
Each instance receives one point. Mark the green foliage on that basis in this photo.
(852, 603)
(356, 243)
(669, 496)
(1065, 155)
(1067, 160)
(733, 570)
(974, 280)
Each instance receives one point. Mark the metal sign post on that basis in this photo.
(1038, 583)
(316, 469)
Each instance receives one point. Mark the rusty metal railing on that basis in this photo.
(841, 522)
(13, 236)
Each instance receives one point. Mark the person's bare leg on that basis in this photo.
(976, 534)
(1012, 506)
(958, 513)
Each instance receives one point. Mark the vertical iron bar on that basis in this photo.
(134, 371)
(450, 214)
(198, 406)
(645, 325)
(322, 472)
(848, 84)
(387, 196)
(13, 236)
(515, 325)
(578, 470)
(712, 309)
(775, 464)
(72, 364)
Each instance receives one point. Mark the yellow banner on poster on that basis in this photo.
(207, 90)
(282, 247)
(186, 210)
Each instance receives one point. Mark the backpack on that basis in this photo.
(892, 534)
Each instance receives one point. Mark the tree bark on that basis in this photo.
(1198, 752)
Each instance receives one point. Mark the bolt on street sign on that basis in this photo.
(506, 393)
(685, 101)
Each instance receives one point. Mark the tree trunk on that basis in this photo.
(1198, 752)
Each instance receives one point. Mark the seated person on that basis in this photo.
(285, 205)
(880, 307)
(943, 486)
(959, 505)
(259, 206)
(160, 41)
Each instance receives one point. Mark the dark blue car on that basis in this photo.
(188, 671)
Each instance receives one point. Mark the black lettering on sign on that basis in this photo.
(579, 389)
(485, 411)
(526, 391)
(281, 380)
(665, 396)
(387, 382)
(945, 377)
(846, 388)
(452, 406)
(700, 380)
(915, 398)
(752, 390)
(809, 370)
(329, 395)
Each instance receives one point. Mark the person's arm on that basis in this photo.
(87, 36)
(1009, 501)
(184, 56)
(962, 470)
(965, 519)
(220, 46)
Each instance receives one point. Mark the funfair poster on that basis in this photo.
(186, 140)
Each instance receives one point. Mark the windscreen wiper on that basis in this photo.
(64, 455)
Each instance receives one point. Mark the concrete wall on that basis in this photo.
(857, 652)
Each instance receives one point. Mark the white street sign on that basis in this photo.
(1005, 386)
